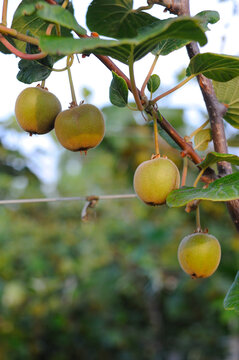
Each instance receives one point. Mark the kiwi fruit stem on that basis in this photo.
(73, 94)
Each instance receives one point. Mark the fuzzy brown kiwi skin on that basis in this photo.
(36, 109)
(80, 128)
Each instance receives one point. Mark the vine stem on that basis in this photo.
(198, 177)
(20, 54)
(52, 2)
(73, 94)
(4, 12)
(156, 142)
(173, 89)
(132, 80)
(148, 75)
(198, 223)
(185, 171)
(14, 33)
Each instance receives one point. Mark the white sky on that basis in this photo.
(92, 74)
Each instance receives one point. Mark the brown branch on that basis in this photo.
(52, 2)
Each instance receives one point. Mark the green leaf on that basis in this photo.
(32, 71)
(142, 44)
(153, 83)
(214, 157)
(231, 301)
(116, 18)
(214, 66)
(58, 15)
(165, 47)
(26, 19)
(223, 189)
(202, 138)
(228, 93)
(118, 91)
(208, 17)
(233, 141)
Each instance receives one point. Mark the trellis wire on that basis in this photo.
(73, 198)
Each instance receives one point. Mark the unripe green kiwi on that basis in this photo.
(36, 109)
(80, 128)
(199, 254)
(154, 179)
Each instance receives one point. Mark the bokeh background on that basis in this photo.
(110, 287)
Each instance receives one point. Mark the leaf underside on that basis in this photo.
(223, 189)
(228, 93)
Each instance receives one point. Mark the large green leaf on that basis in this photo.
(214, 66)
(214, 157)
(26, 19)
(223, 189)
(231, 301)
(141, 45)
(58, 15)
(228, 93)
(118, 91)
(165, 47)
(116, 18)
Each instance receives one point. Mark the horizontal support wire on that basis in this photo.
(74, 198)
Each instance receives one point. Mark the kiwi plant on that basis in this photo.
(82, 127)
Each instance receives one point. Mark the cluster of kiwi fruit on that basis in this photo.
(82, 127)
(199, 253)
(79, 128)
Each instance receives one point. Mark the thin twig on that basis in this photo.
(20, 54)
(173, 89)
(184, 172)
(148, 75)
(15, 34)
(4, 12)
(132, 80)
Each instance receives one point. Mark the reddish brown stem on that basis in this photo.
(20, 54)
(52, 2)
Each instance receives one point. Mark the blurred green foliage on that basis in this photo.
(109, 288)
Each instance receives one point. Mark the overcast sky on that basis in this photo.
(92, 74)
